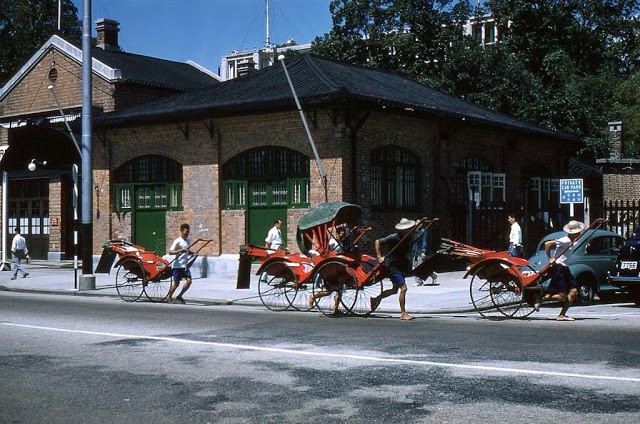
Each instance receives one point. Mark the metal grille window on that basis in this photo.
(35, 217)
(300, 193)
(157, 180)
(123, 197)
(144, 198)
(259, 194)
(394, 177)
(175, 196)
(376, 185)
(46, 224)
(235, 194)
(271, 176)
(160, 197)
(499, 187)
(280, 193)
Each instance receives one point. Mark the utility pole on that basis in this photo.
(323, 174)
(87, 279)
(267, 43)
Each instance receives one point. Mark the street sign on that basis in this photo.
(572, 191)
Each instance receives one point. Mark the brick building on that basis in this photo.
(620, 184)
(32, 127)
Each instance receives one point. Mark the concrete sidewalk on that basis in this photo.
(450, 295)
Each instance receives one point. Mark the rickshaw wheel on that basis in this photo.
(501, 294)
(273, 283)
(480, 293)
(297, 294)
(130, 280)
(357, 299)
(527, 296)
(328, 287)
(157, 289)
(507, 296)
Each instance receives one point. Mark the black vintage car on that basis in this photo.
(626, 273)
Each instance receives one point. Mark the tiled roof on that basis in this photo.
(318, 81)
(146, 70)
(117, 67)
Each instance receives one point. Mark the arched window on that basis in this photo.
(157, 181)
(394, 179)
(267, 176)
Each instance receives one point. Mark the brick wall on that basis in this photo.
(55, 211)
(621, 187)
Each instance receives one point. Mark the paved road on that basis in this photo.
(68, 359)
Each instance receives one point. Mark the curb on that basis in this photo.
(216, 302)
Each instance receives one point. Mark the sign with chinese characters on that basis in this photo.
(572, 191)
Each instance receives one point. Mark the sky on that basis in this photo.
(205, 30)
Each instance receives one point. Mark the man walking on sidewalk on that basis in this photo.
(19, 252)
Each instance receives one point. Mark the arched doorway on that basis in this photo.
(39, 198)
(266, 182)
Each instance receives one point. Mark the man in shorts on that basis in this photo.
(180, 248)
(399, 262)
(563, 285)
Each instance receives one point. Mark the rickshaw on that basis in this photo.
(505, 286)
(343, 280)
(141, 271)
(283, 277)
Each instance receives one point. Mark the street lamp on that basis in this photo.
(34, 164)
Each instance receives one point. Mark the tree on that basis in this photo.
(25, 25)
(411, 36)
(582, 51)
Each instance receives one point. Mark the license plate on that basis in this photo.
(628, 265)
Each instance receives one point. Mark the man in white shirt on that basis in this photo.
(180, 248)
(515, 237)
(19, 252)
(274, 237)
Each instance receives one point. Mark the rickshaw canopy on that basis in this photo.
(325, 213)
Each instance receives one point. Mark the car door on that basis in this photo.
(600, 255)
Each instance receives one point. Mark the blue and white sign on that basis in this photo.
(572, 191)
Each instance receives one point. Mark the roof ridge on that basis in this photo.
(321, 76)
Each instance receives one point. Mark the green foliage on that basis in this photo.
(627, 110)
(567, 65)
(25, 25)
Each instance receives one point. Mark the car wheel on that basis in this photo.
(636, 299)
(585, 291)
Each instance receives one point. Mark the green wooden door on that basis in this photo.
(260, 222)
(267, 202)
(149, 230)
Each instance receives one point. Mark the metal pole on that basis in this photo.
(323, 174)
(64, 118)
(74, 203)
(5, 232)
(59, 14)
(87, 279)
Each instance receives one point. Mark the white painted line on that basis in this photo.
(332, 355)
